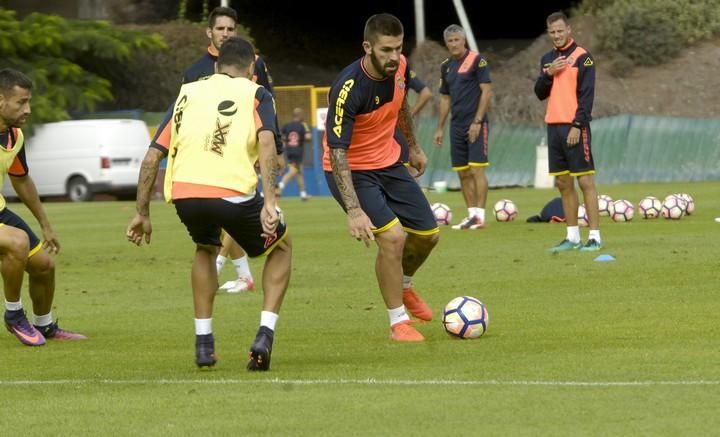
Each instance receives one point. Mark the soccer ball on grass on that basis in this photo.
(465, 317)
(690, 203)
(442, 213)
(650, 207)
(505, 210)
(673, 207)
(623, 211)
(605, 204)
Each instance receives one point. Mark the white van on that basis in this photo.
(80, 158)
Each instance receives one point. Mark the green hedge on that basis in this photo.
(648, 32)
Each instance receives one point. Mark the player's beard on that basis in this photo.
(383, 68)
(19, 121)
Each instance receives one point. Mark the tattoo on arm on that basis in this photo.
(405, 124)
(268, 163)
(269, 170)
(146, 181)
(343, 178)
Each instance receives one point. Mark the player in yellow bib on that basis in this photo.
(219, 128)
(20, 249)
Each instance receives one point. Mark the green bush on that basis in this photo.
(648, 32)
(71, 62)
(591, 7)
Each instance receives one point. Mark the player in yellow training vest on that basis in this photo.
(20, 249)
(220, 127)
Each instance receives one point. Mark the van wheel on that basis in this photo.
(78, 189)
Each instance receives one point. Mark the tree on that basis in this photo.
(159, 11)
(72, 63)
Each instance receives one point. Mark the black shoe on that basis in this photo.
(261, 350)
(205, 350)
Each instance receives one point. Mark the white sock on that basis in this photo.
(203, 326)
(407, 281)
(220, 262)
(42, 320)
(281, 185)
(303, 194)
(13, 306)
(398, 315)
(242, 268)
(595, 235)
(268, 319)
(480, 212)
(471, 212)
(573, 234)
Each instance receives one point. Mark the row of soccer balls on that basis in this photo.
(673, 207)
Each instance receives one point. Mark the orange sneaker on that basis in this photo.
(415, 305)
(405, 332)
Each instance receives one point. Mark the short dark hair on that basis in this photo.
(555, 16)
(236, 51)
(221, 11)
(382, 24)
(10, 78)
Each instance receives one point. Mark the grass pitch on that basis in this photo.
(574, 346)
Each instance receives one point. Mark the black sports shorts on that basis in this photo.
(388, 195)
(564, 159)
(204, 218)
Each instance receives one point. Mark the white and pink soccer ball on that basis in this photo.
(622, 211)
(605, 204)
(673, 207)
(465, 317)
(582, 215)
(650, 207)
(690, 203)
(443, 213)
(505, 210)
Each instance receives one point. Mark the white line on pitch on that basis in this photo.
(370, 381)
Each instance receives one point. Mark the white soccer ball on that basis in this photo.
(505, 210)
(673, 207)
(442, 213)
(682, 203)
(690, 203)
(582, 215)
(623, 211)
(650, 207)
(605, 204)
(465, 317)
